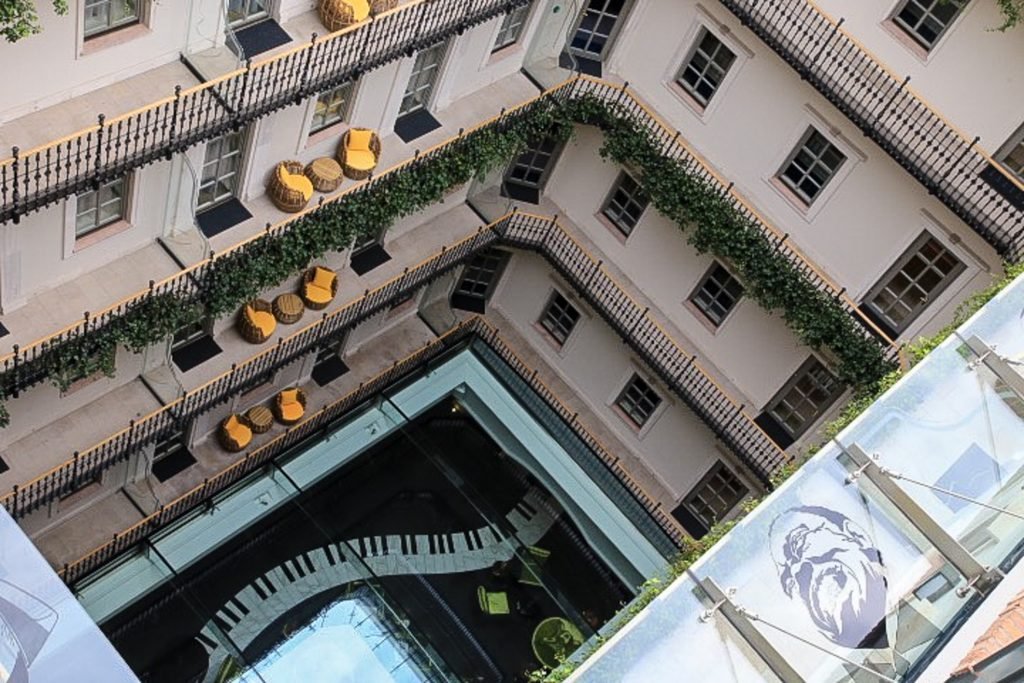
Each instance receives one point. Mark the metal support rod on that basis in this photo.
(997, 364)
(750, 633)
(979, 577)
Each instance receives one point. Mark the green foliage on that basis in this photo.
(19, 19)
(714, 224)
(1013, 13)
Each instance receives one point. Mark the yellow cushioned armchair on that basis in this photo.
(290, 406)
(319, 285)
(234, 433)
(359, 153)
(256, 321)
(337, 14)
(289, 188)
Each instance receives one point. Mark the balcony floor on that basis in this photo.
(53, 123)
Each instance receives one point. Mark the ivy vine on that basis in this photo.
(712, 221)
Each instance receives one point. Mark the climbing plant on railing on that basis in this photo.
(710, 218)
(715, 225)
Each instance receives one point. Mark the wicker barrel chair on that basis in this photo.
(319, 286)
(290, 406)
(337, 14)
(235, 434)
(289, 188)
(256, 321)
(359, 153)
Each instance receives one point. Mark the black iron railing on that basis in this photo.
(881, 104)
(599, 461)
(677, 367)
(36, 178)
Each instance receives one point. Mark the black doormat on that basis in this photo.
(590, 67)
(199, 351)
(4, 331)
(464, 302)
(258, 38)
(530, 195)
(3, 466)
(168, 466)
(221, 217)
(415, 124)
(1003, 185)
(367, 259)
(329, 370)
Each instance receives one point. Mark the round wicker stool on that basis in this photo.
(325, 174)
(260, 419)
(288, 308)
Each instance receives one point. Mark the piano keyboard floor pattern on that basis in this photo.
(284, 587)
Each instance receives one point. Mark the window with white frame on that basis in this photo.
(425, 72)
(808, 393)
(221, 165)
(1012, 155)
(926, 20)
(718, 492)
(717, 294)
(101, 16)
(511, 28)
(559, 318)
(638, 401)
(626, 203)
(242, 12)
(332, 107)
(101, 207)
(705, 67)
(813, 163)
(917, 277)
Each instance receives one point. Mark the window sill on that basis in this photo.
(918, 51)
(97, 236)
(689, 101)
(704, 320)
(614, 229)
(118, 36)
(504, 53)
(334, 130)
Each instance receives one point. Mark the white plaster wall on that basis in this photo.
(657, 259)
(974, 76)
(675, 445)
(56, 65)
(41, 253)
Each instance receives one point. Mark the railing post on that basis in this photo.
(305, 69)
(172, 132)
(15, 193)
(98, 166)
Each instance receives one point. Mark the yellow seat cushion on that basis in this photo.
(296, 183)
(292, 411)
(360, 160)
(360, 8)
(289, 396)
(317, 295)
(359, 140)
(261, 320)
(323, 278)
(239, 432)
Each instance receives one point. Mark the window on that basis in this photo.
(595, 27)
(106, 15)
(716, 495)
(478, 280)
(511, 28)
(917, 277)
(220, 170)
(804, 398)
(625, 204)
(638, 401)
(331, 107)
(1012, 156)
(811, 166)
(526, 175)
(706, 67)
(101, 207)
(926, 20)
(424, 75)
(717, 294)
(559, 318)
(241, 12)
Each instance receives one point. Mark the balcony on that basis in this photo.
(946, 161)
(34, 178)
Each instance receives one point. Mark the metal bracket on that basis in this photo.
(997, 364)
(979, 577)
(750, 633)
